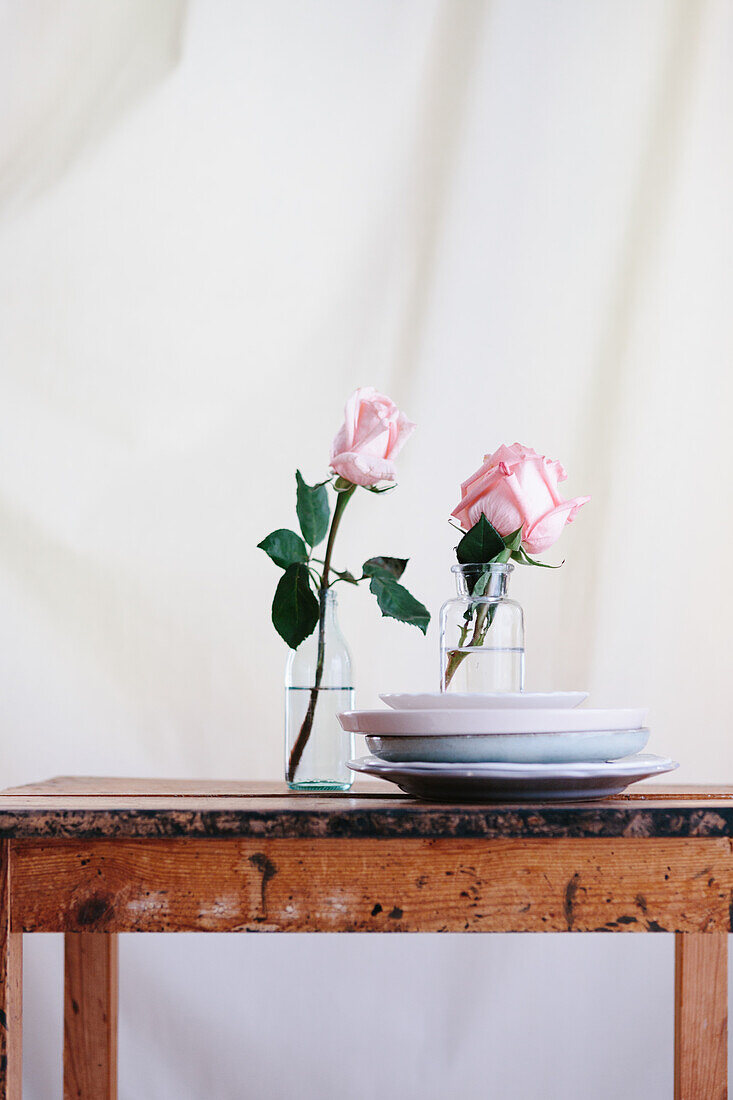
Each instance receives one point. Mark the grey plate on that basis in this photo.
(515, 782)
(511, 748)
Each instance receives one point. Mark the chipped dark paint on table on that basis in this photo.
(187, 809)
(340, 821)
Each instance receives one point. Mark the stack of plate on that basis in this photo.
(523, 745)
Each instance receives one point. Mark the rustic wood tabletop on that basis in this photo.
(97, 807)
(93, 857)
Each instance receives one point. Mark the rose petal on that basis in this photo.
(363, 469)
(542, 534)
(404, 429)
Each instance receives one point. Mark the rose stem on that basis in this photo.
(456, 656)
(342, 499)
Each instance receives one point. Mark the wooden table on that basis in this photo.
(95, 857)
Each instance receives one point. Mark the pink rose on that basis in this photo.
(515, 488)
(371, 436)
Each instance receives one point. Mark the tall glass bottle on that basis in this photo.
(318, 684)
(482, 633)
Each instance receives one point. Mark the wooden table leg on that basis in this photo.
(11, 990)
(701, 1016)
(90, 1016)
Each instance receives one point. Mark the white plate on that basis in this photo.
(515, 782)
(432, 723)
(503, 700)
(517, 748)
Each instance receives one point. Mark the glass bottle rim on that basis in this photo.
(493, 567)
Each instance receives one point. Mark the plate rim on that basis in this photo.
(646, 764)
(385, 696)
(502, 720)
(513, 733)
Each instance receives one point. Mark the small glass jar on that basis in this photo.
(318, 684)
(482, 633)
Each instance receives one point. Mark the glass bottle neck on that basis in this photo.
(486, 581)
(329, 604)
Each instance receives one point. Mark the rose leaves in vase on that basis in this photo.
(295, 607)
(394, 601)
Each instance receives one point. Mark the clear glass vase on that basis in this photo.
(482, 633)
(318, 685)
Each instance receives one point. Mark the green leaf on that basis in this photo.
(284, 547)
(313, 510)
(342, 485)
(481, 584)
(393, 567)
(481, 544)
(345, 575)
(395, 602)
(514, 541)
(380, 488)
(294, 608)
(523, 558)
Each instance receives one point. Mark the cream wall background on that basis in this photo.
(215, 221)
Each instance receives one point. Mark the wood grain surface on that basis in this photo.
(11, 989)
(701, 1017)
(90, 1016)
(369, 885)
(117, 786)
